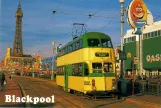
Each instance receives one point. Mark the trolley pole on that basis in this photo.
(122, 37)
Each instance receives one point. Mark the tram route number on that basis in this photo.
(87, 83)
(99, 54)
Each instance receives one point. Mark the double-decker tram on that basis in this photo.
(87, 65)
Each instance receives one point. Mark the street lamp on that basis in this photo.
(33, 61)
(122, 35)
(54, 49)
(22, 66)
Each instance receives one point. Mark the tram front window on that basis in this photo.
(97, 67)
(93, 43)
(106, 43)
(108, 67)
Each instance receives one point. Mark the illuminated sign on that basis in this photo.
(153, 58)
(137, 15)
(99, 54)
(128, 55)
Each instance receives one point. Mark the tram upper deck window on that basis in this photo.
(70, 48)
(81, 43)
(73, 46)
(106, 43)
(97, 67)
(93, 43)
(108, 67)
(77, 45)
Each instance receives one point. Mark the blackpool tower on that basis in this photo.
(18, 45)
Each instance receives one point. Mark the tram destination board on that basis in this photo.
(100, 54)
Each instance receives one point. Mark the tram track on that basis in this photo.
(58, 100)
(24, 93)
(63, 99)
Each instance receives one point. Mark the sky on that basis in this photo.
(40, 26)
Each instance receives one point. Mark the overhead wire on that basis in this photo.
(115, 16)
(109, 22)
(46, 25)
(91, 15)
(58, 5)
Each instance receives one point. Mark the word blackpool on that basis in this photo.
(34, 100)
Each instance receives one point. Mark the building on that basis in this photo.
(47, 64)
(151, 51)
(15, 59)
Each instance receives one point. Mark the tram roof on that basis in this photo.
(87, 36)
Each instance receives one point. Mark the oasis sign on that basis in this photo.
(153, 58)
(137, 15)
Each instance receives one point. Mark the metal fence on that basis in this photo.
(149, 87)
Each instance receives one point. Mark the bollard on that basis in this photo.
(160, 89)
(11, 77)
(143, 87)
(147, 86)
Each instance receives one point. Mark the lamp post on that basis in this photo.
(122, 54)
(33, 75)
(54, 49)
(122, 37)
(22, 66)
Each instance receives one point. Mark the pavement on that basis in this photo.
(11, 88)
(149, 100)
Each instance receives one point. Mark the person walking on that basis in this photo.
(2, 79)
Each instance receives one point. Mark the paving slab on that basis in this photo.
(11, 88)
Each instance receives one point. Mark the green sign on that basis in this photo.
(122, 56)
(99, 54)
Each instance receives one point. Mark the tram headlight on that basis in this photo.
(94, 88)
(113, 87)
(114, 84)
(93, 82)
(93, 85)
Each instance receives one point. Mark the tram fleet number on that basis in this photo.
(87, 83)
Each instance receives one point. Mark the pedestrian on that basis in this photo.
(2, 79)
(147, 85)
(11, 76)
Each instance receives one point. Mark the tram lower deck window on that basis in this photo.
(97, 67)
(108, 67)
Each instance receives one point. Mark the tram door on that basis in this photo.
(66, 78)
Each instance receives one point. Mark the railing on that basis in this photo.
(150, 87)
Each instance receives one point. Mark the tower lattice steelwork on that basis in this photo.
(18, 46)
